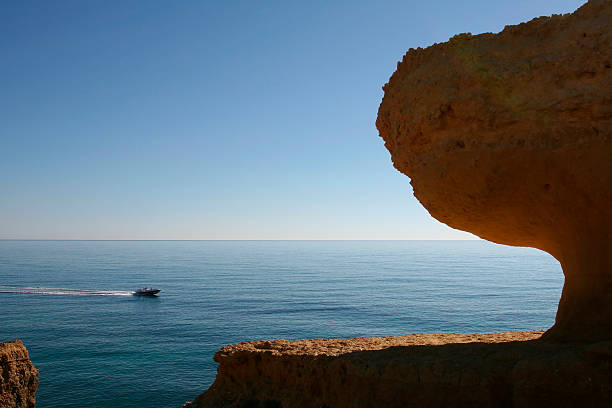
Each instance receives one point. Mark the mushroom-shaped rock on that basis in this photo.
(509, 136)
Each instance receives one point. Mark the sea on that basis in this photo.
(98, 345)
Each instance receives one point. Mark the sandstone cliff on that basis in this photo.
(509, 136)
(430, 370)
(18, 377)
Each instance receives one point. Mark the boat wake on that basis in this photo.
(36, 290)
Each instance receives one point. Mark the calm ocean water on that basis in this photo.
(96, 345)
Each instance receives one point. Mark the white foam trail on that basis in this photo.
(36, 290)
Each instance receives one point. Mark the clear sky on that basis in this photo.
(214, 119)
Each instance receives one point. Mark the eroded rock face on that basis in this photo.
(509, 136)
(427, 370)
(18, 377)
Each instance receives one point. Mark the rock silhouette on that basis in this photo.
(509, 136)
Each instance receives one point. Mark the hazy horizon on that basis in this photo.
(153, 239)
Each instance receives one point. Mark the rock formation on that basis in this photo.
(509, 136)
(18, 377)
(428, 370)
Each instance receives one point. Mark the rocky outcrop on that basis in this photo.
(18, 377)
(429, 370)
(509, 136)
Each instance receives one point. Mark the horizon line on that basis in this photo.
(330, 239)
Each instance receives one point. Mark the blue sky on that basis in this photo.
(214, 119)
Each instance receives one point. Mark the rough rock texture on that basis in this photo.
(431, 370)
(509, 136)
(18, 377)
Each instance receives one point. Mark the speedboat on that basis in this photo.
(147, 291)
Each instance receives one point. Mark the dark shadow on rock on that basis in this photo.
(510, 374)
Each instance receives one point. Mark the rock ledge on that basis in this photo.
(450, 370)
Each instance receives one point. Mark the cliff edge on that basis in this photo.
(426, 370)
(509, 136)
(18, 376)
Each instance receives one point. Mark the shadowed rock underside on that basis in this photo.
(509, 136)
